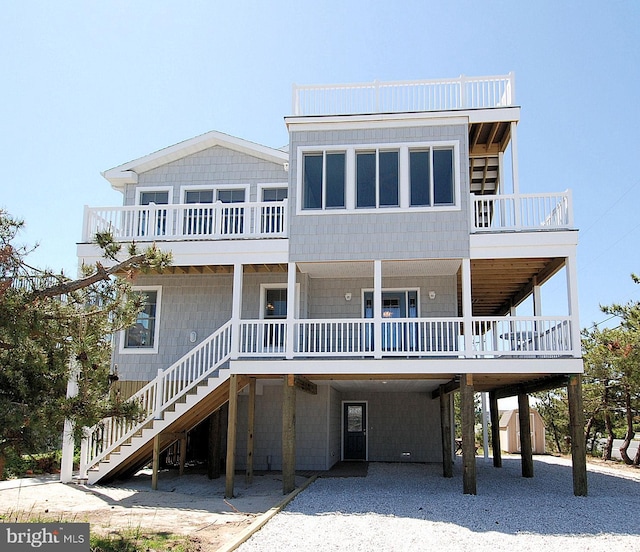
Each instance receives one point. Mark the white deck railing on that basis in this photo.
(522, 336)
(491, 213)
(405, 96)
(193, 221)
(407, 337)
(160, 393)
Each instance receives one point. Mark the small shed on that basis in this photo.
(510, 432)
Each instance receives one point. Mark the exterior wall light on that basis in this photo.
(432, 295)
(347, 296)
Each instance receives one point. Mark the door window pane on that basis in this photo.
(366, 179)
(312, 191)
(419, 178)
(276, 303)
(159, 198)
(443, 176)
(335, 180)
(274, 194)
(388, 169)
(198, 196)
(231, 196)
(355, 418)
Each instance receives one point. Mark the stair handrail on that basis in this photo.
(156, 396)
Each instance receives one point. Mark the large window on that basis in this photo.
(431, 177)
(377, 178)
(142, 336)
(324, 180)
(394, 176)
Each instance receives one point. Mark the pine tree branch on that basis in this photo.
(99, 275)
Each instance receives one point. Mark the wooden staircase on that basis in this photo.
(178, 399)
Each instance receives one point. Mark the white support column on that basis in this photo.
(514, 174)
(537, 311)
(377, 308)
(485, 431)
(500, 189)
(466, 307)
(571, 270)
(514, 159)
(291, 309)
(68, 443)
(236, 309)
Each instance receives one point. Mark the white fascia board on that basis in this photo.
(197, 144)
(200, 253)
(393, 366)
(523, 244)
(365, 123)
(388, 120)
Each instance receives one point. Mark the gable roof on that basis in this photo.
(128, 172)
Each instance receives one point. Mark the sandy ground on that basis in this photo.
(192, 505)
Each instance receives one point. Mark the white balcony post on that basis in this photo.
(537, 311)
(377, 309)
(466, 308)
(157, 411)
(236, 309)
(291, 302)
(569, 196)
(571, 270)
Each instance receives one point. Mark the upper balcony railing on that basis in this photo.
(405, 96)
(192, 221)
(496, 213)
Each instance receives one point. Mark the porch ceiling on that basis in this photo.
(499, 284)
(394, 383)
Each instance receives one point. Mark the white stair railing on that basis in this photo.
(160, 393)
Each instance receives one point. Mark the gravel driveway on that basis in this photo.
(412, 507)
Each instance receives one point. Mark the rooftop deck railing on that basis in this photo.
(405, 96)
(192, 221)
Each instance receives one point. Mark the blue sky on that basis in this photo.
(87, 86)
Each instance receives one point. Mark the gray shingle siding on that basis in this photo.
(381, 235)
(214, 166)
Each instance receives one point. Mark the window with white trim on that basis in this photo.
(377, 179)
(275, 194)
(431, 177)
(142, 336)
(323, 180)
(394, 176)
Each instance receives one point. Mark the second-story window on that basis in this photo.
(377, 179)
(431, 177)
(323, 180)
